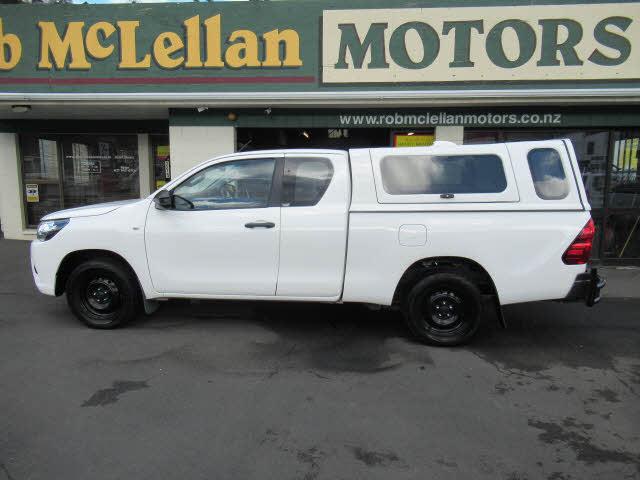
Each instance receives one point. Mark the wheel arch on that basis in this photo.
(427, 266)
(73, 259)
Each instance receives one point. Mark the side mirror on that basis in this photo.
(163, 200)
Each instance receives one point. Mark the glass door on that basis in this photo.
(42, 188)
(99, 168)
(621, 240)
(66, 171)
(161, 160)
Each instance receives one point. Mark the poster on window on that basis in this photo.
(162, 155)
(162, 165)
(412, 139)
(93, 166)
(33, 193)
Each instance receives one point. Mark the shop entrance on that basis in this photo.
(331, 138)
(161, 160)
(72, 170)
(608, 160)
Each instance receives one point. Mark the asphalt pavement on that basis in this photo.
(215, 390)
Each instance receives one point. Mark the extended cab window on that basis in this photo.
(547, 173)
(438, 174)
(236, 184)
(305, 181)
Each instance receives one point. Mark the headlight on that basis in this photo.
(49, 228)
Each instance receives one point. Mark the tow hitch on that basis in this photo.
(587, 287)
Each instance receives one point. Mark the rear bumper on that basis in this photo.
(586, 288)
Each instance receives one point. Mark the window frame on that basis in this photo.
(508, 195)
(533, 181)
(384, 159)
(274, 190)
(60, 137)
(324, 159)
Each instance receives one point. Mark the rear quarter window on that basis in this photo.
(548, 174)
(440, 174)
(305, 181)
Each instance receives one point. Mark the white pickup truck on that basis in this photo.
(431, 230)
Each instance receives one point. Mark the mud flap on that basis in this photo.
(150, 306)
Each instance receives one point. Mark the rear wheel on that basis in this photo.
(443, 309)
(103, 293)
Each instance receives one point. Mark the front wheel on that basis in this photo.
(443, 309)
(103, 294)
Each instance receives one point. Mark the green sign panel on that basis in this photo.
(298, 46)
(514, 117)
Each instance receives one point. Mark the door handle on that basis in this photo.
(260, 224)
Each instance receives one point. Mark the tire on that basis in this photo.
(443, 309)
(103, 294)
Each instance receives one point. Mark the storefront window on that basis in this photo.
(474, 137)
(622, 235)
(624, 190)
(333, 138)
(617, 216)
(591, 147)
(40, 173)
(99, 169)
(161, 160)
(66, 171)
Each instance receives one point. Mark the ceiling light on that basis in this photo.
(306, 134)
(410, 133)
(20, 108)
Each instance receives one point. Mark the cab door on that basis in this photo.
(316, 190)
(221, 236)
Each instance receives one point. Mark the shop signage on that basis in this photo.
(91, 165)
(32, 192)
(307, 46)
(81, 44)
(547, 42)
(338, 122)
(413, 139)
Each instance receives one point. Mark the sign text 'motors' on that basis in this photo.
(551, 42)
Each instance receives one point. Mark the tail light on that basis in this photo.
(580, 249)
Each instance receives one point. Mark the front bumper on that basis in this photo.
(586, 288)
(43, 267)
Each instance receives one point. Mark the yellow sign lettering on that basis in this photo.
(214, 49)
(10, 49)
(164, 46)
(128, 52)
(243, 53)
(51, 45)
(192, 28)
(291, 42)
(95, 48)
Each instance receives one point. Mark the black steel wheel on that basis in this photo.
(103, 293)
(443, 309)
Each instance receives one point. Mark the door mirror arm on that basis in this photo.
(163, 200)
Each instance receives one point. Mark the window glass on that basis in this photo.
(625, 182)
(40, 173)
(237, 184)
(591, 147)
(474, 137)
(622, 235)
(548, 175)
(437, 174)
(66, 171)
(161, 160)
(305, 181)
(99, 168)
(592, 150)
